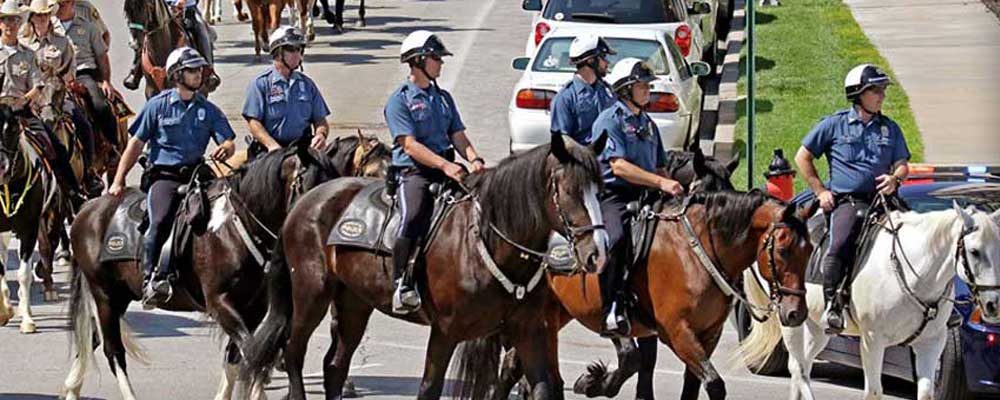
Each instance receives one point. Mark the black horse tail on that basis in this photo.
(478, 367)
(262, 350)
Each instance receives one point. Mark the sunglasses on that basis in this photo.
(434, 57)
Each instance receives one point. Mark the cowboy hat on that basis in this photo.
(42, 7)
(11, 8)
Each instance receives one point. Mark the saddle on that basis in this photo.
(372, 219)
(124, 236)
(559, 257)
(874, 220)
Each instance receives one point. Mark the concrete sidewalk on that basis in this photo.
(946, 55)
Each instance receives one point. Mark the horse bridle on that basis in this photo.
(962, 258)
(778, 291)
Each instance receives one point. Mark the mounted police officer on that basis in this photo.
(93, 67)
(867, 155)
(577, 105)
(177, 124)
(282, 103)
(425, 126)
(195, 28)
(22, 80)
(633, 158)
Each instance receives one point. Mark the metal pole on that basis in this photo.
(750, 22)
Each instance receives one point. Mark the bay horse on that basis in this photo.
(32, 207)
(901, 295)
(220, 273)
(679, 301)
(265, 17)
(337, 18)
(162, 33)
(475, 282)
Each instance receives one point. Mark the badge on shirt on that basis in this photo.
(51, 51)
(418, 105)
(81, 31)
(201, 114)
(277, 91)
(19, 68)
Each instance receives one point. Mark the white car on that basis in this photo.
(684, 20)
(676, 100)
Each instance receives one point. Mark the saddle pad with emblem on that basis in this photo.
(122, 240)
(363, 223)
(559, 256)
(818, 226)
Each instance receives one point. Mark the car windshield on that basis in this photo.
(940, 197)
(553, 56)
(612, 11)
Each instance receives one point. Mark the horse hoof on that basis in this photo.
(242, 17)
(349, 391)
(28, 327)
(311, 36)
(51, 295)
(4, 319)
(62, 255)
(361, 24)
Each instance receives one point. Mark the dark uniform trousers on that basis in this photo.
(845, 227)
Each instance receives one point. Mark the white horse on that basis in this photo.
(213, 12)
(6, 310)
(891, 301)
(300, 14)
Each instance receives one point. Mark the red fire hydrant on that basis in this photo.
(780, 177)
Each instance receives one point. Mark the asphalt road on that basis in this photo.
(356, 71)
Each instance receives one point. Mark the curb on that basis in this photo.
(725, 128)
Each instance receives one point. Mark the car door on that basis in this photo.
(688, 89)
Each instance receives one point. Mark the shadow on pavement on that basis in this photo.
(365, 385)
(31, 396)
(147, 324)
(840, 375)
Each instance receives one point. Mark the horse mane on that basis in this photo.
(511, 194)
(729, 212)
(257, 180)
(341, 152)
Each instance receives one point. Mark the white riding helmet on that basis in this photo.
(184, 58)
(421, 43)
(588, 45)
(286, 36)
(629, 71)
(863, 77)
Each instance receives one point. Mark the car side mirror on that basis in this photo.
(699, 7)
(699, 68)
(520, 63)
(531, 5)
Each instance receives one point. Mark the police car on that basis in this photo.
(676, 101)
(683, 20)
(970, 363)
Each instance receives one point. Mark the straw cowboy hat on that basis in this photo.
(11, 8)
(43, 6)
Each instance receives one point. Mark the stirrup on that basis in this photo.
(405, 299)
(616, 322)
(156, 293)
(834, 319)
(131, 81)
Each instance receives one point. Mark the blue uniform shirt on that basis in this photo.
(286, 107)
(576, 107)
(857, 153)
(634, 138)
(428, 114)
(176, 132)
(190, 3)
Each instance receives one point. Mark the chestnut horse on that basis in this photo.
(679, 300)
(475, 283)
(220, 274)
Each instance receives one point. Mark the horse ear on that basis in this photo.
(699, 163)
(967, 222)
(996, 216)
(558, 148)
(734, 163)
(597, 146)
(808, 210)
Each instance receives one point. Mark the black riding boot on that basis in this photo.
(833, 274)
(405, 299)
(135, 74)
(616, 320)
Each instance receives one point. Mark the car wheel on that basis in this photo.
(710, 55)
(950, 380)
(777, 363)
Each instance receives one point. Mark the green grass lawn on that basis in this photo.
(804, 49)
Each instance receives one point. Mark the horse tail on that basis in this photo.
(261, 351)
(757, 347)
(84, 327)
(478, 367)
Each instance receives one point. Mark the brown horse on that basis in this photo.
(220, 273)
(265, 17)
(475, 282)
(679, 301)
(163, 31)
